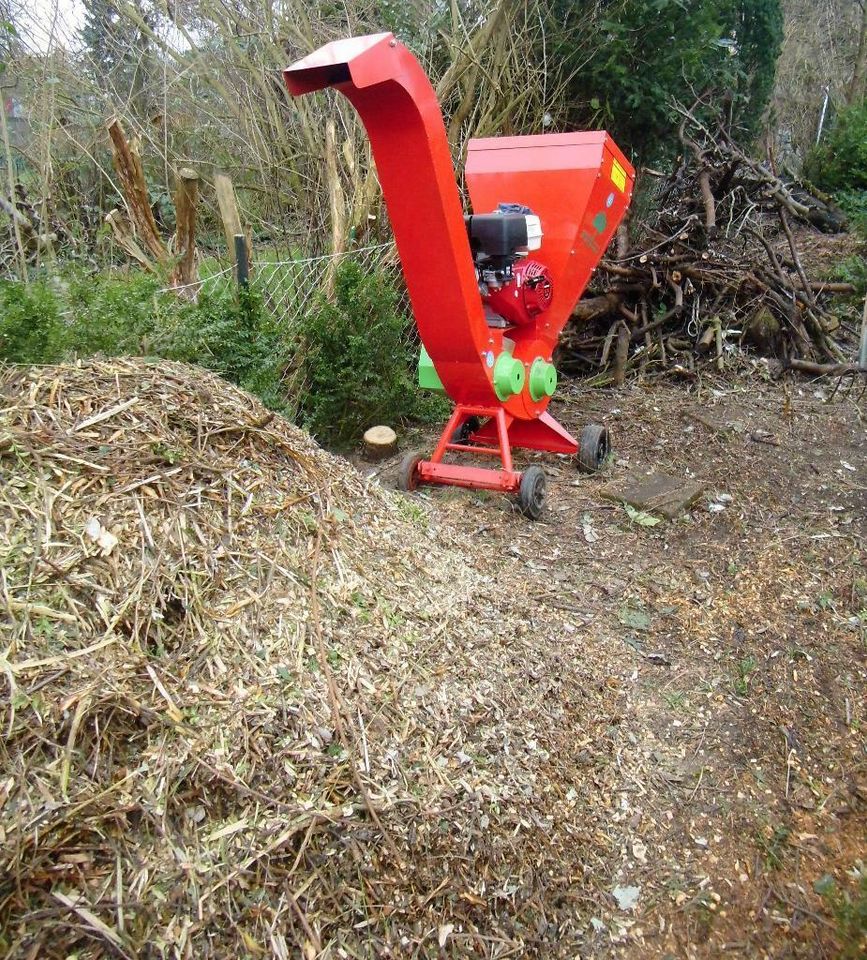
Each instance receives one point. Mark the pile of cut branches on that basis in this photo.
(716, 265)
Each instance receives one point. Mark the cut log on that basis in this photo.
(621, 355)
(593, 307)
(379, 442)
(705, 341)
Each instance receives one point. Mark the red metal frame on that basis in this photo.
(579, 184)
(492, 443)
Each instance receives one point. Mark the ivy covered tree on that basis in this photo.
(648, 54)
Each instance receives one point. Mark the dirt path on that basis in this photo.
(728, 650)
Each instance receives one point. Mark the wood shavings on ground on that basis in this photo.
(256, 705)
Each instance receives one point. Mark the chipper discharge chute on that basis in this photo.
(490, 291)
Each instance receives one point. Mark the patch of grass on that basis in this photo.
(850, 914)
(773, 845)
(412, 512)
(744, 670)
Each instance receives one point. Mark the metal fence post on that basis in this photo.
(862, 353)
(243, 264)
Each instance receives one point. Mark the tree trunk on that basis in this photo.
(186, 197)
(129, 169)
(858, 84)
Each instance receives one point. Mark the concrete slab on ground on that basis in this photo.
(655, 493)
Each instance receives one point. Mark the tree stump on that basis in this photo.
(379, 442)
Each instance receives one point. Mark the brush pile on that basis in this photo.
(255, 705)
(719, 262)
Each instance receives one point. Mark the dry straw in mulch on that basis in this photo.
(255, 705)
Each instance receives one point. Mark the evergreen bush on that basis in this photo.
(357, 359)
(352, 361)
(839, 163)
(31, 328)
(648, 55)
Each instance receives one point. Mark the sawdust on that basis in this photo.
(736, 637)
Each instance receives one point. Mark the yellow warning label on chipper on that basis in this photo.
(618, 176)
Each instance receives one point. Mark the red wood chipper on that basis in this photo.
(490, 291)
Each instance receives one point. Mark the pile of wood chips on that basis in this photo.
(255, 705)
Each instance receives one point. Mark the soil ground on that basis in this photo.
(726, 655)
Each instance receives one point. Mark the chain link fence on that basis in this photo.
(289, 288)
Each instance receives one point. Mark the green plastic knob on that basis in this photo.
(543, 379)
(508, 376)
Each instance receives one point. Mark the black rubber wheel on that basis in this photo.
(594, 447)
(531, 493)
(407, 476)
(466, 430)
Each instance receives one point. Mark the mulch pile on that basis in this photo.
(255, 705)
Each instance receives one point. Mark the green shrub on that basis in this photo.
(232, 335)
(352, 363)
(111, 315)
(854, 204)
(853, 270)
(356, 360)
(31, 327)
(645, 55)
(839, 162)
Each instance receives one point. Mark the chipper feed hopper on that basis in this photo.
(490, 291)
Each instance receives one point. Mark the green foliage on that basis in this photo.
(110, 315)
(850, 912)
(650, 53)
(745, 668)
(839, 162)
(853, 270)
(356, 359)
(31, 329)
(82, 315)
(233, 336)
(854, 204)
(353, 354)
